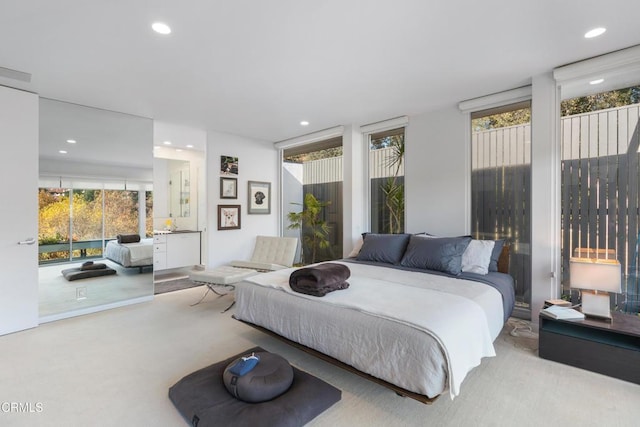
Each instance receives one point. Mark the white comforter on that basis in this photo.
(140, 250)
(464, 317)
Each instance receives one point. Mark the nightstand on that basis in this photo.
(609, 348)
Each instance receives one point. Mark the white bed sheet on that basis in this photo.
(401, 351)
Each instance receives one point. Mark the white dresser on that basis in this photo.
(176, 249)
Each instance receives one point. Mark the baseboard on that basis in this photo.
(89, 310)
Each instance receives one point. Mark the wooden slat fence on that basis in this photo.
(599, 192)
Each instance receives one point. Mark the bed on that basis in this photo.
(131, 255)
(418, 330)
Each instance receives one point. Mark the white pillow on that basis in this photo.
(356, 248)
(477, 256)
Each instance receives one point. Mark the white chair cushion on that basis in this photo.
(258, 265)
(223, 275)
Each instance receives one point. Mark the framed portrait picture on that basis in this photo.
(228, 188)
(228, 217)
(228, 165)
(259, 197)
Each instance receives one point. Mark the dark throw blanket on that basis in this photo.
(320, 279)
(90, 265)
(128, 238)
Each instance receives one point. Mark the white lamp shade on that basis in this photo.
(595, 274)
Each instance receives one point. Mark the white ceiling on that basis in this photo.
(257, 68)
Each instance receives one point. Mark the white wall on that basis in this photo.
(436, 173)
(257, 161)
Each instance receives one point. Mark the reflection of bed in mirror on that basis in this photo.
(129, 255)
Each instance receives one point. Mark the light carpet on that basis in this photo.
(114, 368)
(174, 285)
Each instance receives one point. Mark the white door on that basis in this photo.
(18, 210)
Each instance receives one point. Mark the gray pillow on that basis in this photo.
(387, 248)
(495, 255)
(439, 254)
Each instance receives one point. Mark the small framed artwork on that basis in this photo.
(259, 197)
(228, 165)
(228, 188)
(228, 217)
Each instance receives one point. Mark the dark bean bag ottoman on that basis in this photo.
(271, 377)
(203, 400)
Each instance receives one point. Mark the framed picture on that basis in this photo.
(228, 165)
(259, 197)
(228, 217)
(228, 188)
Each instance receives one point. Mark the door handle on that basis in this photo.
(29, 241)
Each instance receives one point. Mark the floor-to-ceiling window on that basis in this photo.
(386, 181)
(312, 198)
(501, 186)
(75, 223)
(600, 178)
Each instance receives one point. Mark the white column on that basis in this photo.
(545, 193)
(353, 187)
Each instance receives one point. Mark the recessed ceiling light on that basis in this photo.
(304, 123)
(189, 145)
(161, 28)
(178, 149)
(62, 152)
(71, 141)
(596, 81)
(167, 143)
(594, 33)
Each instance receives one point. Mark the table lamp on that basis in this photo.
(596, 278)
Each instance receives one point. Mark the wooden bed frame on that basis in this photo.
(399, 390)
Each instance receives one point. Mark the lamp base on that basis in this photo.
(596, 304)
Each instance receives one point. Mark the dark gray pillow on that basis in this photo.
(440, 254)
(387, 248)
(495, 255)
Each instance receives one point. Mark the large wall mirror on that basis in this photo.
(175, 177)
(96, 182)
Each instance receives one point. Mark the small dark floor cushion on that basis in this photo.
(203, 400)
(271, 377)
(78, 273)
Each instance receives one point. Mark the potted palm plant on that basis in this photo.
(313, 229)
(393, 189)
